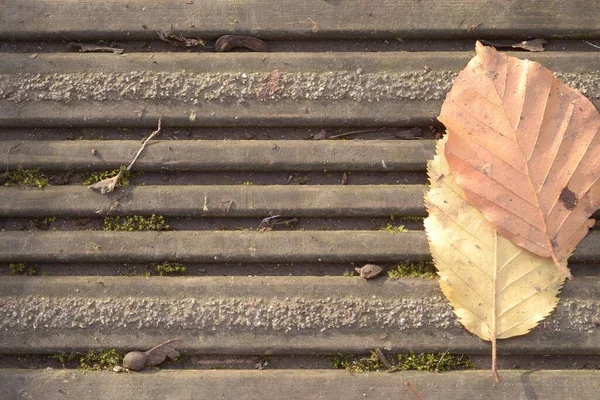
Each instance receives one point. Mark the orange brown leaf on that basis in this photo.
(525, 149)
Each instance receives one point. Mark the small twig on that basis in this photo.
(8, 155)
(412, 389)
(287, 221)
(353, 132)
(592, 44)
(144, 143)
(437, 366)
(383, 359)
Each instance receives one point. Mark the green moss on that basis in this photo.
(167, 269)
(41, 223)
(21, 269)
(179, 358)
(248, 183)
(25, 177)
(393, 228)
(301, 179)
(433, 362)
(96, 360)
(418, 269)
(413, 218)
(135, 223)
(354, 364)
(94, 177)
(340, 361)
(64, 358)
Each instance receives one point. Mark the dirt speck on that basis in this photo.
(568, 198)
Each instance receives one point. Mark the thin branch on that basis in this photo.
(353, 132)
(383, 359)
(592, 44)
(108, 185)
(144, 145)
(437, 367)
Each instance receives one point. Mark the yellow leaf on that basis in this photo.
(497, 289)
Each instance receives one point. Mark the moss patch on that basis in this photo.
(22, 269)
(393, 228)
(64, 358)
(41, 223)
(433, 362)
(25, 177)
(96, 360)
(167, 269)
(354, 364)
(413, 218)
(135, 223)
(94, 177)
(418, 269)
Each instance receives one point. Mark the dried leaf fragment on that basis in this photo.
(230, 42)
(534, 45)
(107, 185)
(138, 360)
(497, 289)
(92, 48)
(524, 148)
(179, 41)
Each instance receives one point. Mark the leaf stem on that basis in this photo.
(495, 359)
(494, 310)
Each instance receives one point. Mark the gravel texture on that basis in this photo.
(276, 314)
(251, 313)
(225, 87)
(197, 88)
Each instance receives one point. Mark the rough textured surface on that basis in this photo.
(280, 89)
(197, 88)
(289, 314)
(266, 314)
